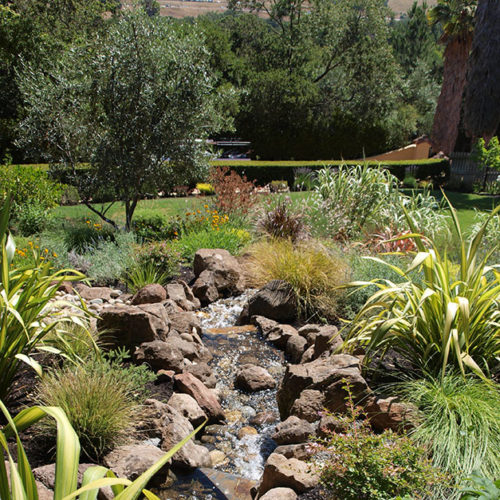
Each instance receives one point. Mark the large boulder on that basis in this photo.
(189, 384)
(293, 430)
(160, 355)
(309, 405)
(280, 471)
(218, 274)
(150, 294)
(188, 408)
(130, 461)
(252, 378)
(276, 300)
(130, 326)
(176, 427)
(327, 375)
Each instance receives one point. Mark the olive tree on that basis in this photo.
(126, 112)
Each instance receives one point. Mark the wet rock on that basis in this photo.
(280, 471)
(265, 325)
(247, 431)
(217, 457)
(129, 326)
(389, 414)
(218, 275)
(280, 494)
(280, 335)
(189, 384)
(295, 348)
(188, 408)
(150, 294)
(328, 375)
(95, 292)
(275, 300)
(202, 372)
(160, 355)
(309, 406)
(301, 451)
(130, 461)
(254, 378)
(175, 428)
(293, 430)
(262, 418)
(184, 322)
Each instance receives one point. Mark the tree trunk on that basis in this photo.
(447, 117)
(482, 96)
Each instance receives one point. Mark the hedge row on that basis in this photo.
(263, 172)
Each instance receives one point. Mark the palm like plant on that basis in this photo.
(457, 19)
(450, 318)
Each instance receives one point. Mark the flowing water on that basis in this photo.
(245, 446)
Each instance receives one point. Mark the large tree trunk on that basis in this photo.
(482, 96)
(447, 117)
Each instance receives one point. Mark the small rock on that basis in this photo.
(280, 494)
(254, 378)
(247, 431)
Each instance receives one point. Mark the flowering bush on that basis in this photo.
(233, 194)
(357, 464)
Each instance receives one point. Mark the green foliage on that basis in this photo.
(22, 482)
(25, 315)
(481, 488)
(358, 199)
(361, 465)
(28, 186)
(313, 271)
(94, 103)
(31, 219)
(83, 392)
(445, 319)
(155, 227)
(458, 421)
(145, 273)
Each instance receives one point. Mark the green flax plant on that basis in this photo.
(22, 482)
(25, 313)
(443, 315)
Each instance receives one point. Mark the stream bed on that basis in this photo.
(244, 439)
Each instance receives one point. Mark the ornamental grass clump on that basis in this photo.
(443, 315)
(458, 421)
(313, 271)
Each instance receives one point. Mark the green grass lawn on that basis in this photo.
(465, 203)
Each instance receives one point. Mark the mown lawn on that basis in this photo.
(465, 203)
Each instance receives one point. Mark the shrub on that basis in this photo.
(312, 270)
(83, 393)
(25, 294)
(32, 218)
(142, 274)
(205, 188)
(281, 222)
(458, 421)
(360, 465)
(444, 318)
(162, 256)
(228, 238)
(28, 185)
(83, 235)
(155, 227)
(233, 194)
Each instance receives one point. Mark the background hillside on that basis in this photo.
(180, 8)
